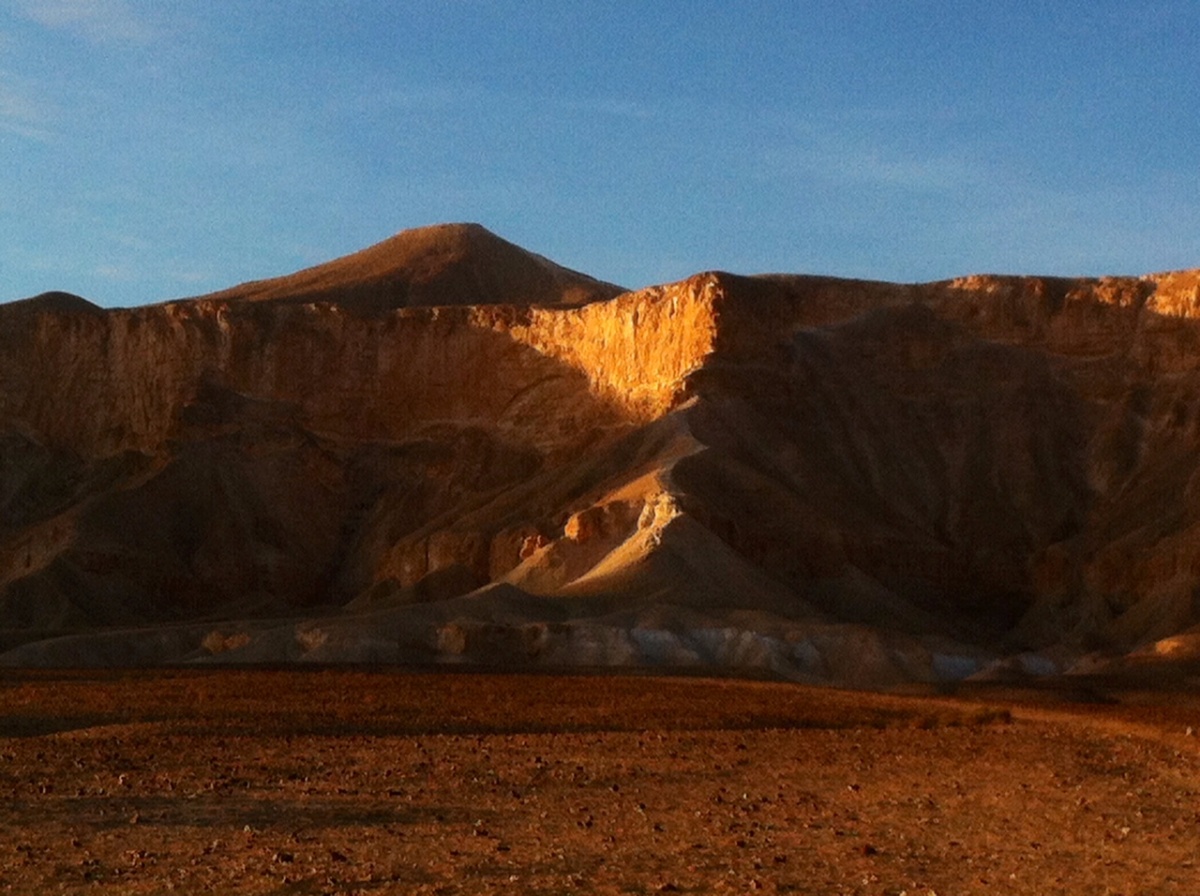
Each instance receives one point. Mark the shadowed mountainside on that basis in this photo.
(831, 480)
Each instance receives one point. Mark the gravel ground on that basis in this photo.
(337, 781)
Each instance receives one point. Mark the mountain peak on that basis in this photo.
(443, 264)
(56, 301)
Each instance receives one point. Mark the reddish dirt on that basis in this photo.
(336, 781)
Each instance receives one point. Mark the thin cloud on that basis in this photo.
(193, 276)
(379, 95)
(20, 114)
(852, 163)
(115, 272)
(873, 148)
(97, 21)
(611, 107)
(1094, 229)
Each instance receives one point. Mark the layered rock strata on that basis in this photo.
(834, 480)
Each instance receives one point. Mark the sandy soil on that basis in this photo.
(336, 781)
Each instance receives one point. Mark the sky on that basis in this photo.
(151, 150)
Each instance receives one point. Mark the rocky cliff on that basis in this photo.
(447, 449)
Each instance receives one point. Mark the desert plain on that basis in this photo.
(343, 780)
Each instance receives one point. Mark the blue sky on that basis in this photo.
(154, 149)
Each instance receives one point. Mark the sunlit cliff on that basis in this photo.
(447, 449)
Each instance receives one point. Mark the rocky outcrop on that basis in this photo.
(540, 469)
(99, 383)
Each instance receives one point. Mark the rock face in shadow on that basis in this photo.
(446, 449)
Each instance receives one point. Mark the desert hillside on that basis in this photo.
(446, 449)
(448, 264)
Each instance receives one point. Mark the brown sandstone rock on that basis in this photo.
(1006, 462)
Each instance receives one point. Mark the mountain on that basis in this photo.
(447, 264)
(830, 480)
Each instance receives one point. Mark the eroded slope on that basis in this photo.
(833, 480)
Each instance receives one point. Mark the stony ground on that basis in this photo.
(327, 781)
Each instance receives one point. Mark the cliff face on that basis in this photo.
(804, 468)
(1018, 451)
(222, 456)
(103, 382)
